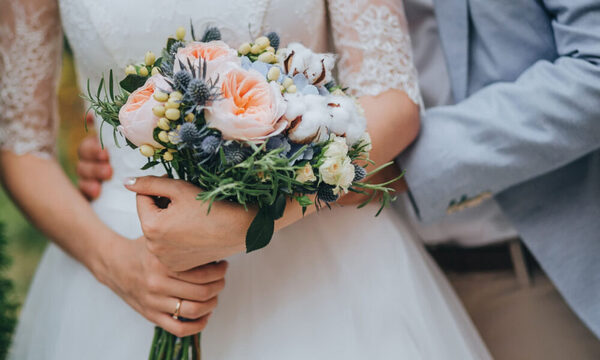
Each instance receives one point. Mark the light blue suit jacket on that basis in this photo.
(525, 76)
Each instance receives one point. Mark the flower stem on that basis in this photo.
(153, 350)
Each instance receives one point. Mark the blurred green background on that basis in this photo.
(25, 243)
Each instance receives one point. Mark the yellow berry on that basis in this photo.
(175, 95)
(172, 114)
(143, 71)
(172, 104)
(180, 33)
(164, 124)
(190, 117)
(155, 71)
(255, 49)
(267, 57)
(292, 89)
(147, 150)
(273, 73)
(159, 110)
(270, 49)
(263, 42)
(168, 156)
(161, 96)
(150, 58)
(288, 82)
(163, 136)
(130, 70)
(173, 135)
(244, 49)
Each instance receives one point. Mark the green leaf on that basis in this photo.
(304, 201)
(100, 88)
(170, 43)
(278, 207)
(260, 231)
(110, 86)
(132, 82)
(149, 165)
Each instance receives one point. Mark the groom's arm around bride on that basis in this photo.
(525, 128)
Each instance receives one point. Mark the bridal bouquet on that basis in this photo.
(261, 125)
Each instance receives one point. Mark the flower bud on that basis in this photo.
(175, 96)
(159, 110)
(287, 82)
(263, 42)
(270, 49)
(244, 49)
(160, 96)
(172, 114)
(190, 117)
(155, 71)
(338, 92)
(291, 89)
(255, 49)
(147, 150)
(130, 70)
(273, 73)
(163, 123)
(267, 57)
(143, 71)
(180, 33)
(172, 104)
(163, 136)
(150, 58)
(168, 156)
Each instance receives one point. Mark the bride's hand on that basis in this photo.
(182, 235)
(151, 289)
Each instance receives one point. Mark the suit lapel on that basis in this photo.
(452, 18)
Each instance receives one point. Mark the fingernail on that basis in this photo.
(130, 181)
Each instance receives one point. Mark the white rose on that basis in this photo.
(305, 174)
(338, 172)
(337, 148)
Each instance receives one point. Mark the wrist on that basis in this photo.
(101, 259)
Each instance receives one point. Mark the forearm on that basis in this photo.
(47, 197)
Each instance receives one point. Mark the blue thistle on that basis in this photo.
(359, 173)
(176, 45)
(273, 39)
(189, 134)
(211, 34)
(325, 193)
(181, 80)
(210, 144)
(198, 91)
(235, 153)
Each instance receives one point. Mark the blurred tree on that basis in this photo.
(8, 307)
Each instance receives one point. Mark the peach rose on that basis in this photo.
(215, 53)
(251, 108)
(136, 116)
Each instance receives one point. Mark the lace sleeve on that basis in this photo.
(30, 50)
(372, 41)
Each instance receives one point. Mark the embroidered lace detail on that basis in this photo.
(372, 41)
(30, 44)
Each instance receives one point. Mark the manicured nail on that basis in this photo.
(130, 181)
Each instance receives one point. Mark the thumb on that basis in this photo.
(153, 186)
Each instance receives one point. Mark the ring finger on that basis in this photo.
(188, 309)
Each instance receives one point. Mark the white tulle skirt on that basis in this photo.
(338, 285)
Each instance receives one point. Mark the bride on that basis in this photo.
(341, 284)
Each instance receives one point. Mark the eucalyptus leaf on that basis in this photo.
(149, 165)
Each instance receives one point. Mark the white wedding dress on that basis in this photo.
(338, 285)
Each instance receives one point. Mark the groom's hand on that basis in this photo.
(177, 227)
(93, 167)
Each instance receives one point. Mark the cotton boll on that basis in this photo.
(309, 128)
(346, 119)
(298, 59)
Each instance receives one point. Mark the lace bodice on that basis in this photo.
(370, 37)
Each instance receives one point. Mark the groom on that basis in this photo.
(524, 128)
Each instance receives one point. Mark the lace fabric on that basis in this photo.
(30, 50)
(373, 44)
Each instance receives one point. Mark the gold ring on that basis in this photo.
(177, 308)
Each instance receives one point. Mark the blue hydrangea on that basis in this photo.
(278, 142)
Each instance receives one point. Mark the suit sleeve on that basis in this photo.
(508, 133)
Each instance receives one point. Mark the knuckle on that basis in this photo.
(153, 283)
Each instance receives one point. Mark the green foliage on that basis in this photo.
(7, 306)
